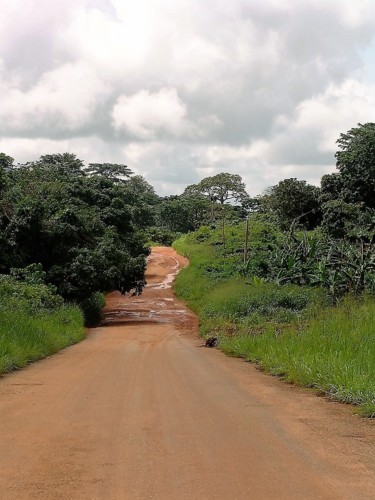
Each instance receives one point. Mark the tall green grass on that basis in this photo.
(287, 330)
(31, 328)
(335, 353)
(25, 338)
(228, 302)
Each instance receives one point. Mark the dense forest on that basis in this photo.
(70, 232)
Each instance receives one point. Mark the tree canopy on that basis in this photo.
(220, 188)
(183, 213)
(356, 164)
(112, 171)
(80, 229)
(294, 201)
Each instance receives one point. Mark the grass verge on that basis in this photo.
(30, 330)
(288, 331)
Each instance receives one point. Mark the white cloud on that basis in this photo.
(333, 111)
(311, 131)
(145, 115)
(63, 99)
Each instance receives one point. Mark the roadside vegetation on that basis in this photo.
(34, 323)
(298, 332)
(68, 234)
(297, 298)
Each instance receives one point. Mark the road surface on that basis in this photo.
(141, 410)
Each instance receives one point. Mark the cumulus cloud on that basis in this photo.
(63, 100)
(181, 90)
(146, 114)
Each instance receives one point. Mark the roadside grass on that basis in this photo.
(30, 330)
(227, 302)
(288, 331)
(25, 338)
(334, 353)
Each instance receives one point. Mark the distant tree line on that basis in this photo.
(344, 204)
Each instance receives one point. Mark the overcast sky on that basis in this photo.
(182, 89)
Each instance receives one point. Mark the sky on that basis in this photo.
(182, 90)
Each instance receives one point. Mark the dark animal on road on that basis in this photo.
(212, 342)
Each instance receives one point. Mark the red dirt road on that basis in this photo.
(139, 410)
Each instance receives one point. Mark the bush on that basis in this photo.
(28, 296)
(227, 301)
(92, 309)
(160, 236)
(202, 234)
(266, 302)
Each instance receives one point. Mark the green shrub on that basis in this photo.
(238, 299)
(160, 236)
(30, 296)
(202, 234)
(92, 309)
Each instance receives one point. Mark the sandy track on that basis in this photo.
(140, 410)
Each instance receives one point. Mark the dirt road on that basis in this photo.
(139, 410)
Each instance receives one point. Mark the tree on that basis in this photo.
(6, 163)
(79, 228)
(64, 164)
(220, 188)
(183, 213)
(138, 185)
(112, 171)
(331, 187)
(141, 196)
(356, 164)
(294, 202)
(340, 219)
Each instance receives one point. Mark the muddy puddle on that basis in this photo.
(157, 304)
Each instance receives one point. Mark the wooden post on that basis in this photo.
(224, 230)
(246, 241)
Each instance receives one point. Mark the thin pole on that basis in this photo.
(224, 230)
(246, 240)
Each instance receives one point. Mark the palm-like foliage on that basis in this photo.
(338, 265)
